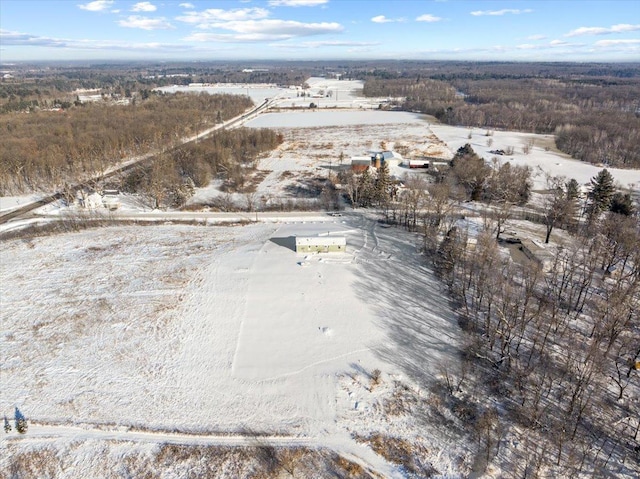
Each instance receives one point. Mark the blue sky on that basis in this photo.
(544, 30)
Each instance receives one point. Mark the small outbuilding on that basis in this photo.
(360, 163)
(536, 252)
(321, 244)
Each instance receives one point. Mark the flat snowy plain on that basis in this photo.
(205, 329)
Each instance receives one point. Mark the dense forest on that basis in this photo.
(46, 149)
(595, 116)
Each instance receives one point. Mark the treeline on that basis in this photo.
(44, 150)
(594, 119)
(33, 86)
(549, 371)
(170, 178)
(432, 97)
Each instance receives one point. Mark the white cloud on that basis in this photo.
(26, 39)
(620, 28)
(554, 44)
(287, 27)
(504, 11)
(587, 31)
(427, 17)
(145, 23)
(215, 15)
(144, 7)
(611, 43)
(250, 25)
(265, 30)
(297, 3)
(339, 43)
(96, 6)
(187, 5)
(625, 27)
(380, 19)
(562, 43)
(236, 38)
(383, 19)
(536, 37)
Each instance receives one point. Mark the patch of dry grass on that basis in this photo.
(401, 452)
(118, 459)
(402, 402)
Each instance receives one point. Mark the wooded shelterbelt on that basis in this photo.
(595, 118)
(169, 180)
(43, 150)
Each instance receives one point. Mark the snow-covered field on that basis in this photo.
(325, 93)
(8, 203)
(543, 158)
(218, 329)
(329, 118)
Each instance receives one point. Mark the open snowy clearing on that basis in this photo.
(324, 118)
(215, 330)
(543, 158)
(8, 203)
(323, 92)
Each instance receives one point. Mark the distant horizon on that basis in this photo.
(250, 62)
(593, 31)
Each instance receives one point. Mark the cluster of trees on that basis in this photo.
(594, 118)
(594, 122)
(21, 423)
(367, 189)
(32, 87)
(555, 351)
(563, 206)
(551, 356)
(495, 183)
(44, 150)
(425, 95)
(170, 178)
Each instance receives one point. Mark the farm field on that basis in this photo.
(217, 330)
(325, 93)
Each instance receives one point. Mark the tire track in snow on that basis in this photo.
(312, 365)
(256, 255)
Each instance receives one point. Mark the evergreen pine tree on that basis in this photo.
(600, 194)
(572, 195)
(572, 189)
(366, 189)
(21, 422)
(382, 184)
(447, 255)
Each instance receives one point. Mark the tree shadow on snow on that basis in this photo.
(411, 305)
